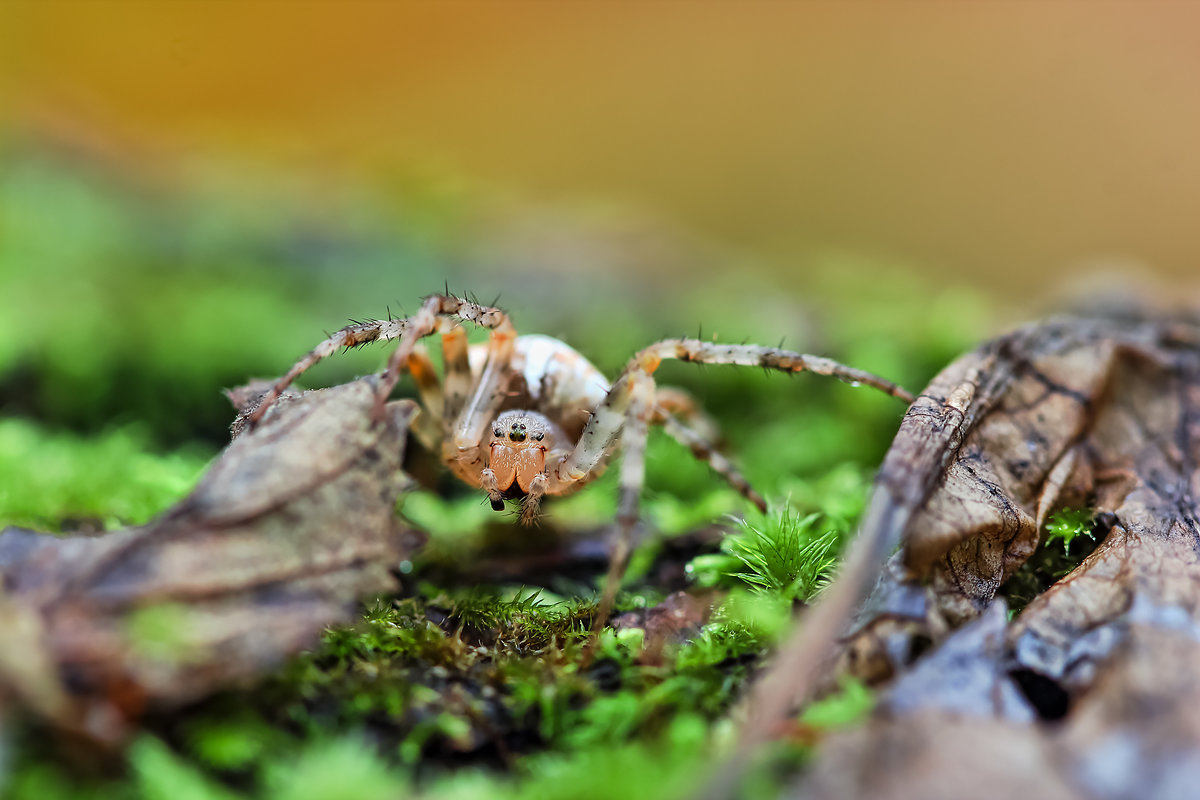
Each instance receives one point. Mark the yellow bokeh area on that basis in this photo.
(198, 189)
(985, 143)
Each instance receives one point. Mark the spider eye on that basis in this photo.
(497, 432)
(539, 436)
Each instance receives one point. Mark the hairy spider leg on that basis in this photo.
(682, 418)
(772, 358)
(429, 385)
(612, 414)
(379, 330)
(461, 449)
(631, 402)
(705, 451)
(684, 407)
(457, 378)
(427, 424)
(426, 321)
(635, 431)
(608, 418)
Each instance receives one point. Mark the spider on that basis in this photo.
(526, 417)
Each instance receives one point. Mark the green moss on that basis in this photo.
(344, 768)
(1068, 538)
(780, 553)
(50, 479)
(847, 706)
(160, 774)
(1064, 526)
(232, 742)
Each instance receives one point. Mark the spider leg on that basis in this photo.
(598, 436)
(756, 356)
(474, 400)
(457, 380)
(684, 407)
(425, 322)
(633, 472)
(608, 417)
(427, 424)
(429, 387)
(685, 421)
(703, 450)
(633, 393)
(359, 333)
(488, 393)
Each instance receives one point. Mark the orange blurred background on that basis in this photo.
(994, 144)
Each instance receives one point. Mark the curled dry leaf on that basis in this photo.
(290, 526)
(1072, 413)
(1098, 413)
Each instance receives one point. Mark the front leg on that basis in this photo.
(359, 333)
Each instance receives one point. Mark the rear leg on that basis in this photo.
(630, 404)
(457, 380)
(429, 386)
(684, 407)
(702, 449)
(686, 422)
(427, 424)
(750, 355)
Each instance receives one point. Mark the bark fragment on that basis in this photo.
(1092, 691)
(290, 526)
(1073, 412)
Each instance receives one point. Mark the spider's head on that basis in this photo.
(517, 453)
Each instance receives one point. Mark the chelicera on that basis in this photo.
(526, 417)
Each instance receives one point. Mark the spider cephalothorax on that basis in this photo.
(523, 417)
(517, 455)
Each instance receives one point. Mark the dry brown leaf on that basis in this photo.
(1092, 690)
(290, 526)
(1096, 413)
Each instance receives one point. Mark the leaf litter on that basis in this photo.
(1090, 690)
(291, 525)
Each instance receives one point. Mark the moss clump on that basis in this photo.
(53, 480)
(791, 551)
(1068, 538)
